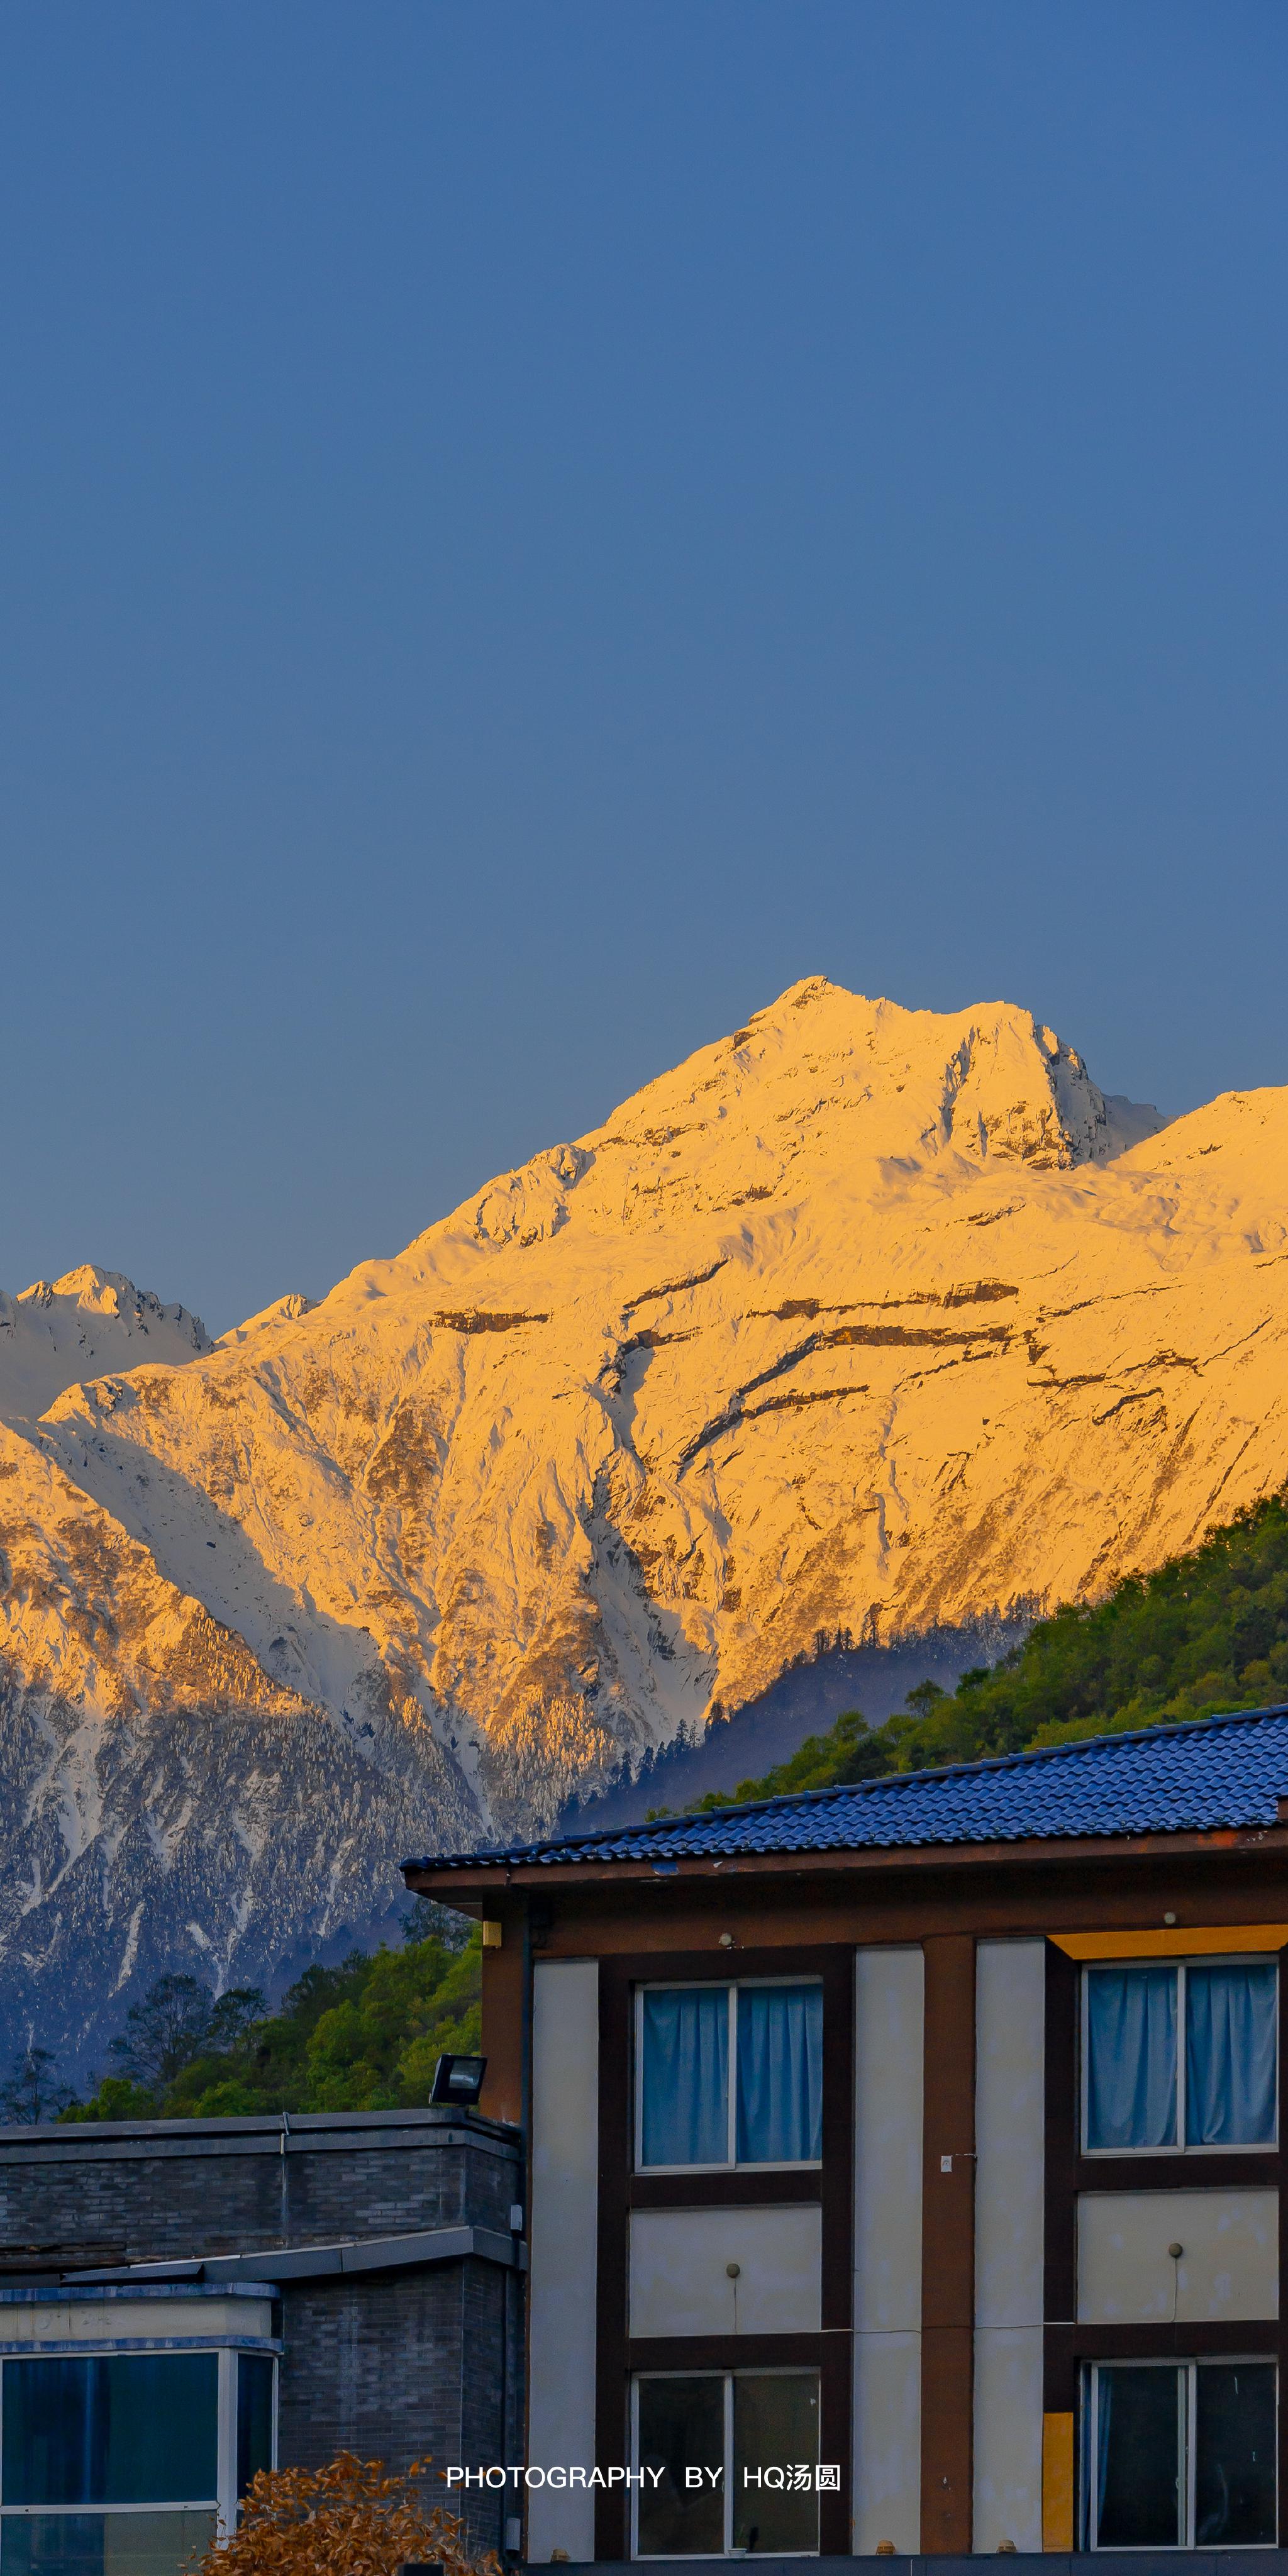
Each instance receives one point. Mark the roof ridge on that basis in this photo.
(1112, 1736)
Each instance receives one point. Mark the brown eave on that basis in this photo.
(450, 1886)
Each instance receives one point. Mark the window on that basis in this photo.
(110, 2463)
(729, 2075)
(1180, 2457)
(1180, 2055)
(729, 2462)
(255, 2377)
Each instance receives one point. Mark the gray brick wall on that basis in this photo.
(395, 2365)
(186, 2187)
(407, 2366)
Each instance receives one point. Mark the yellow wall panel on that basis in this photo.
(1057, 2481)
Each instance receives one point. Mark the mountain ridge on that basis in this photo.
(862, 1323)
(59, 1331)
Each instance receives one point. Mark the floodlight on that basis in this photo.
(458, 2079)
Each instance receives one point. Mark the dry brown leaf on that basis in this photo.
(352, 2518)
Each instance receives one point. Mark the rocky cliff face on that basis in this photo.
(862, 1323)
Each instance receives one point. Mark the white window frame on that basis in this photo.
(685, 2557)
(731, 1987)
(1186, 2432)
(1180, 2147)
(224, 2504)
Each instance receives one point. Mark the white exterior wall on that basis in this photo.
(563, 2248)
(1229, 2267)
(890, 2012)
(1010, 2051)
(680, 2279)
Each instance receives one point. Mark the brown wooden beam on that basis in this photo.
(461, 1882)
(948, 2245)
(505, 2011)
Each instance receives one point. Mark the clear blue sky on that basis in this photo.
(527, 528)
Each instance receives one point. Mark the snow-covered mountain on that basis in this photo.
(863, 1323)
(82, 1325)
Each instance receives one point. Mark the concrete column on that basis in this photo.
(562, 2282)
(889, 1988)
(1010, 1988)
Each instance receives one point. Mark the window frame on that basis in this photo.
(709, 1985)
(1187, 2429)
(765, 2370)
(225, 2504)
(1180, 1967)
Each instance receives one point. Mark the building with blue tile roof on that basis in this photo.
(904, 2159)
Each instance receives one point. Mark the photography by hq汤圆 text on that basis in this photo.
(791, 2477)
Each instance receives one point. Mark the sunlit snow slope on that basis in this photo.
(863, 1321)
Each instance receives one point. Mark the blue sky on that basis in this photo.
(527, 528)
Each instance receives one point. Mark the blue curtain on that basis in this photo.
(685, 2075)
(1230, 2055)
(780, 2074)
(1131, 2048)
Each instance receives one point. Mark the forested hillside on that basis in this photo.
(364, 2036)
(1206, 1632)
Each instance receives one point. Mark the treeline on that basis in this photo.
(1208, 1632)
(364, 2036)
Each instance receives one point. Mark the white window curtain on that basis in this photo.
(1230, 2054)
(685, 2049)
(780, 2074)
(1131, 2057)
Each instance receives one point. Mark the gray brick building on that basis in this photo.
(352, 2279)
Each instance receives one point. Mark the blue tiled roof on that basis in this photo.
(1190, 1778)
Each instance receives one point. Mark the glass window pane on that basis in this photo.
(685, 2075)
(104, 2544)
(780, 2074)
(1131, 2057)
(775, 2434)
(681, 2426)
(137, 2428)
(1139, 2463)
(254, 2416)
(1234, 2467)
(1230, 2054)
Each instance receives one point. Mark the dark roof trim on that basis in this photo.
(105, 2141)
(453, 1883)
(248, 2134)
(181, 2283)
(271, 2263)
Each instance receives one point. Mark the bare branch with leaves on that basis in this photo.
(352, 2518)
